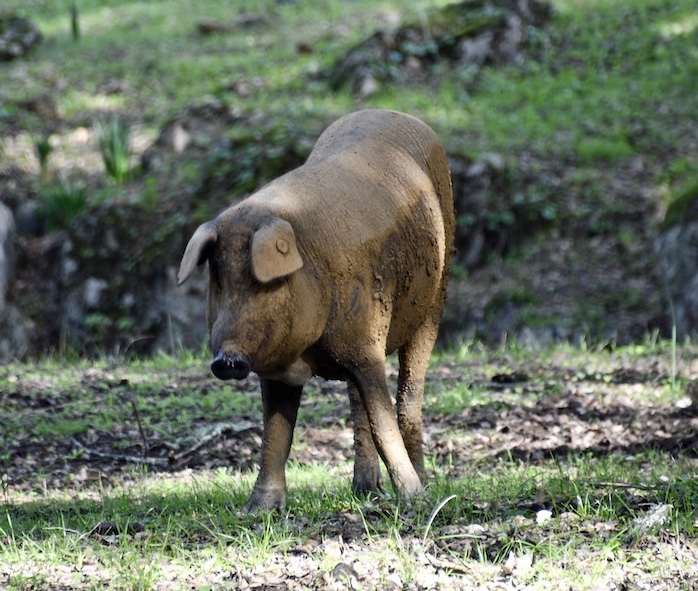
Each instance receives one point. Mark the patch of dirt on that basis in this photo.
(556, 411)
(530, 411)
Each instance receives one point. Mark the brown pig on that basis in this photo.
(323, 272)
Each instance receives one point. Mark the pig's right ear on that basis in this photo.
(206, 235)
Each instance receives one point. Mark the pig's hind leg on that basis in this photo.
(281, 404)
(366, 461)
(369, 378)
(414, 361)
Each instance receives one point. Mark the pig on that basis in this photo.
(326, 270)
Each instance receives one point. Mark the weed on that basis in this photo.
(61, 203)
(75, 22)
(114, 137)
(683, 204)
(43, 149)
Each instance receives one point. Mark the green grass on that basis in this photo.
(603, 65)
(174, 526)
(193, 528)
(114, 138)
(60, 203)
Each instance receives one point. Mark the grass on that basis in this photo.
(71, 518)
(114, 138)
(61, 202)
(604, 65)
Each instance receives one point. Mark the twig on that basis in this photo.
(176, 459)
(132, 398)
(461, 568)
(121, 457)
(215, 432)
(623, 485)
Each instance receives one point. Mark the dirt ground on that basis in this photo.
(529, 411)
(523, 411)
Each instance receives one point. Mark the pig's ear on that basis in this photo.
(274, 252)
(196, 252)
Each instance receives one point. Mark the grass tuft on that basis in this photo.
(114, 136)
(61, 203)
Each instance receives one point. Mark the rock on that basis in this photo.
(677, 254)
(472, 33)
(18, 36)
(368, 87)
(15, 334)
(7, 241)
(677, 257)
(15, 328)
(473, 184)
(184, 313)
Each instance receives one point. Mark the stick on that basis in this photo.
(120, 457)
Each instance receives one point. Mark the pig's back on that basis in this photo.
(372, 210)
(369, 172)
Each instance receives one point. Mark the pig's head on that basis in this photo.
(258, 317)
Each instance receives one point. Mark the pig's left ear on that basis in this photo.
(274, 252)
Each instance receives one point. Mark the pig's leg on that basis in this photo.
(369, 378)
(280, 410)
(366, 464)
(414, 361)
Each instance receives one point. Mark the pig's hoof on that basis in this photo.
(408, 487)
(367, 485)
(264, 500)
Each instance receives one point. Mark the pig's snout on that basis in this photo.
(230, 367)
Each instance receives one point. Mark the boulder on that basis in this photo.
(677, 257)
(468, 34)
(15, 327)
(474, 181)
(7, 242)
(18, 35)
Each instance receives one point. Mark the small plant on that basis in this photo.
(75, 21)
(114, 136)
(43, 149)
(682, 204)
(61, 203)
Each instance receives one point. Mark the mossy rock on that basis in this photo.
(683, 206)
(18, 36)
(464, 19)
(500, 26)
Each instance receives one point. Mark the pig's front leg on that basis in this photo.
(280, 411)
(369, 378)
(366, 464)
